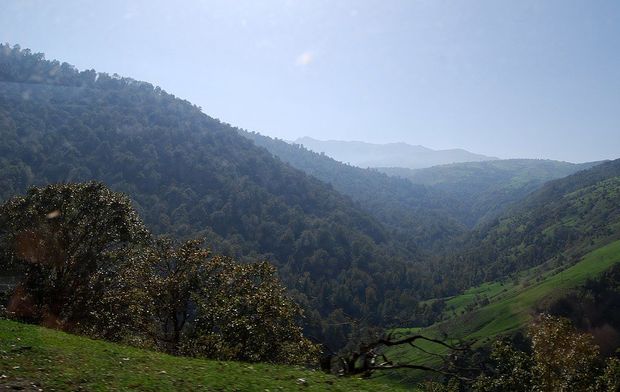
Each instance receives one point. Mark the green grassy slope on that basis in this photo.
(512, 308)
(511, 305)
(58, 361)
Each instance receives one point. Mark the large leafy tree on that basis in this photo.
(561, 359)
(243, 313)
(175, 275)
(68, 242)
(564, 359)
(213, 306)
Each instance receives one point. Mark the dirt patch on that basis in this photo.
(18, 384)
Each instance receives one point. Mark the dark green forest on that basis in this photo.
(480, 221)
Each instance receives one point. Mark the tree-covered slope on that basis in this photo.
(555, 224)
(485, 189)
(420, 216)
(191, 175)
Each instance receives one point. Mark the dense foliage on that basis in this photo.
(88, 265)
(551, 357)
(65, 241)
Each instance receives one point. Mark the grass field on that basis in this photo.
(53, 360)
(511, 305)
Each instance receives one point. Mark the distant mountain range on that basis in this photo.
(364, 154)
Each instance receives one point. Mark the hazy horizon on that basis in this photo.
(513, 80)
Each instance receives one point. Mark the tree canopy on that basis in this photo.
(63, 239)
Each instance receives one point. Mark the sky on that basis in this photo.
(514, 79)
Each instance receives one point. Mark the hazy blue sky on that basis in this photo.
(522, 78)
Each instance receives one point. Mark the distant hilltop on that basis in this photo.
(364, 154)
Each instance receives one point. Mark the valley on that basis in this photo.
(327, 251)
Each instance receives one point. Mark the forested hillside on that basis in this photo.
(191, 175)
(470, 194)
(437, 203)
(420, 216)
(485, 189)
(556, 224)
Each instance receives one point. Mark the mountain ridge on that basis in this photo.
(399, 154)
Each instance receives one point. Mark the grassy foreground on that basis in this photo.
(54, 360)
